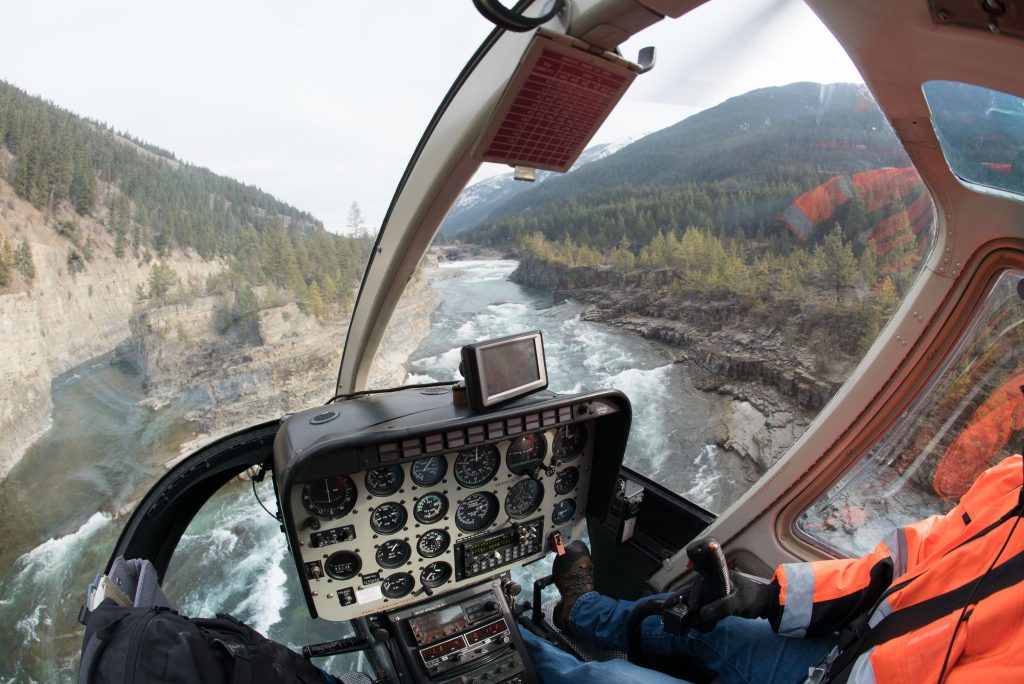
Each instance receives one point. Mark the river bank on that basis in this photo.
(774, 383)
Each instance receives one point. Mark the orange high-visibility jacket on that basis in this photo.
(924, 574)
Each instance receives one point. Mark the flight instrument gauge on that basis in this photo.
(397, 585)
(525, 454)
(430, 508)
(435, 574)
(385, 480)
(568, 443)
(566, 480)
(523, 498)
(331, 497)
(476, 465)
(433, 543)
(428, 472)
(343, 565)
(476, 511)
(388, 518)
(393, 553)
(563, 511)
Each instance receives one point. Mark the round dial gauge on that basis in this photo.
(566, 480)
(563, 511)
(385, 480)
(393, 553)
(476, 465)
(430, 508)
(397, 585)
(343, 565)
(523, 498)
(435, 574)
(433, 543)
(388, 518)
(569, 442)
(428, 472)
(476, 511)
(525, 454)
(331, 497)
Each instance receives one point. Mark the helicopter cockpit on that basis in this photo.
(406, 509)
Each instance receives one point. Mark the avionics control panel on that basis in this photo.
(468, 637)
(390, 498)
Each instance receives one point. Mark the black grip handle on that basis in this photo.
(708, 560)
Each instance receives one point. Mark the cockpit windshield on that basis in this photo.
(725, 252)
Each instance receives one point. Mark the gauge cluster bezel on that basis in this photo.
(373, 588)
(370, 536)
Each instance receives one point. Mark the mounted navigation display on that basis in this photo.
(504, 368)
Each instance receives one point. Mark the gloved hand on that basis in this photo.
(749, 599)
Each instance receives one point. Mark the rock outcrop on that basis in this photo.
(775, 385)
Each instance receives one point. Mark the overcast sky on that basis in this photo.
(320, 102)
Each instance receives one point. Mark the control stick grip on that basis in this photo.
(707, 558)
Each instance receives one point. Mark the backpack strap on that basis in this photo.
(93, 649)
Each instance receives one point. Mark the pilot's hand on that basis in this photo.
(749, 599)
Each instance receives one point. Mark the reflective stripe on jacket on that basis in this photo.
(938, 559)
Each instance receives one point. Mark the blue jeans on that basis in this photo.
(739, 650)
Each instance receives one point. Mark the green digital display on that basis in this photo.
(493, 543)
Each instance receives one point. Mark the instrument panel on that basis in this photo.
(377, 523)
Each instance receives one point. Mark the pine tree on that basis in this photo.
(24, 263)
(162, 279)
(355, 222)
(838, 263)
(6, 261)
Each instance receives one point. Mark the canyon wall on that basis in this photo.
(61, 319)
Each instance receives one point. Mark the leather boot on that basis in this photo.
(573, 572)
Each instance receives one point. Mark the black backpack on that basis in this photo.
(157, 645)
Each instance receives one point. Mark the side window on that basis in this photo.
(970, 418)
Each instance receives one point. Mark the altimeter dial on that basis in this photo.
(476, 465)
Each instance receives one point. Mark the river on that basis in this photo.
(58, 508)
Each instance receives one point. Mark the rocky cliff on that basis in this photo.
(62, 318)
(279, 360)
(775, 385)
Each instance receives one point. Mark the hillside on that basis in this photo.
(733, 167)
(98, 229)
